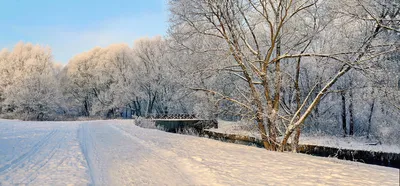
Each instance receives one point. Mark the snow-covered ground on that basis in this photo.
(355, 143)
(120, 153)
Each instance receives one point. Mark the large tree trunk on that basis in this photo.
(271, 123)
(263, 132)
(274, 110)
(296, 138)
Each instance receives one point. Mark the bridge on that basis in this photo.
(176, 122)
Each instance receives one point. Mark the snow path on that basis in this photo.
(119, 153)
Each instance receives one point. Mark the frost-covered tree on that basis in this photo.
(30, 89)
(95, 80)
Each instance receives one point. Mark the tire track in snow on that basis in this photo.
(82, 135)
(13, 164)
(59, 141)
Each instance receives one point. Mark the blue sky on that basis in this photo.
(70, 27)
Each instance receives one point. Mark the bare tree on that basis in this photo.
(261, 36)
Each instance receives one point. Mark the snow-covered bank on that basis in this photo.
(120, 153)
(351, 143)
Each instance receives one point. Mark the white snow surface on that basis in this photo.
(352, 143)
(117, 152)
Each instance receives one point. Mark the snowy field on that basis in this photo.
(119, 153)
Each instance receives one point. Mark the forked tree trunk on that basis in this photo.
(274, 108)
(293, 126)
